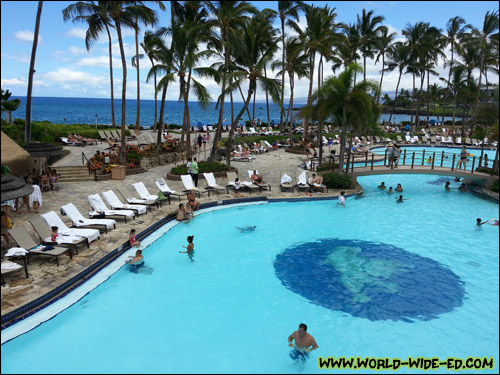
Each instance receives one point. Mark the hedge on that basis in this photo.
(495, 186)
(338, 181)
(203, 167)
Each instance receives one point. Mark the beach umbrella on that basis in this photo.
(13, 187)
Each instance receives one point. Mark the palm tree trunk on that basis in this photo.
(267, 101)
(428, 108)
(290, 110)
(479, 84)
(417, 112)
(243, 97)
(160, 124)
(253, 108)
(381, 79)
(27, 128)
(113, 121)
(394, 103)
(343, 136)
(309, 96)
(229, 143)
(124, 90)
(282, 74)
(218, 131)
(156, 96)
(186, 113)
(138, 114)
(412, 100)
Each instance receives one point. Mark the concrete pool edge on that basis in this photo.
(55, 296)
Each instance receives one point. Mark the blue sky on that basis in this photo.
(64, 68)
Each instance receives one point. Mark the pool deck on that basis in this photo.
(45, 276)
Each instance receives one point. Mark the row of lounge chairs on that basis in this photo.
(303, 182)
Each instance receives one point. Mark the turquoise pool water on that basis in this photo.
(375, 278)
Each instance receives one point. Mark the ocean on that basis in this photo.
(90, 110)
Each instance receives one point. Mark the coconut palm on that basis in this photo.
(455, 30)
(368, 35)
(149, 18)
(286, 9)
(9, 106)
(350, 105)
(253, 48)
(383, 41)
(483, 39)
(151, 46)
(457, 84)
(296, 63)
(227, 16)
(317, 37)
(97, 19)
(27, 128)
(125, 14)
(398, 56)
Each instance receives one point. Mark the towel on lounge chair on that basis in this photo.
(16, 251)
(53, 220)
(78, 219)
(143, 192)
(286, 179)
(115, 203)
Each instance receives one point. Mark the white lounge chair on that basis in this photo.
(77, 218)
(162, 185)
(100, 208)
(53, 220)
(253, 132)
(143, 192)
(210, 128)
(212, 184)
(116, 204)
(188, 183)
(231, 177)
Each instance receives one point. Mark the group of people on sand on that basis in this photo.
(398, 189)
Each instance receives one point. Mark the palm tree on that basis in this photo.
(9, 106)
(228, 15)
(27, 128)
(456, 29)
(368, 35)
(384, 41)
(253, 48)
(351, 105)
(286, 9)
(123, 14)
(398, 57)
(295, 64)
(483, 39)
(317, 37)
(456, 84)
(151, 46)
(149, 18)
(97, 19)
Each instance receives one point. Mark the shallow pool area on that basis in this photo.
(375, 278)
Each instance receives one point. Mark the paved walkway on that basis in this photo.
(44, 275)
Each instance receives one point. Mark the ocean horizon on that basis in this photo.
(59, 110)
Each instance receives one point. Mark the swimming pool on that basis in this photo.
(232, 309)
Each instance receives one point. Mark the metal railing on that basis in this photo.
(419, 159)
(84, 158)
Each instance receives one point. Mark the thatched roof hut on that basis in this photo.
(13, 188)
(40, 149)
(14, 156)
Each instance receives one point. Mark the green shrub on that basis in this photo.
(203, 167)
(338, 181)
(131, 156)
(495, 186)
(327, 167)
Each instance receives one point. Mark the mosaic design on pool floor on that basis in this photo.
(369, 280)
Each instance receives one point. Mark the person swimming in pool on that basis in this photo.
(382, 186)
(136, 262)
(400, 199)
(491, 222)
(304, 343)
(248, 228)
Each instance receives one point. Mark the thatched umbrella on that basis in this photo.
(40, 150)
(13, 187)
(11, 151)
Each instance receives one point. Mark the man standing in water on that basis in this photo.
(303, 342)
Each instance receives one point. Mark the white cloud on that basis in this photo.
(77, 33)
(13, 82)
(77, 50)
(23, 59)
(69, 76)
(27, 36)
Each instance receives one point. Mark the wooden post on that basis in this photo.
(385, 157)
(473, 163)
(373, 155)
(480, 162)
(412, 159)
(352, 164)
(423, 157)
(366, 158)
(433, 159)
(442, 158)
(453, 162)
(404, 156)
